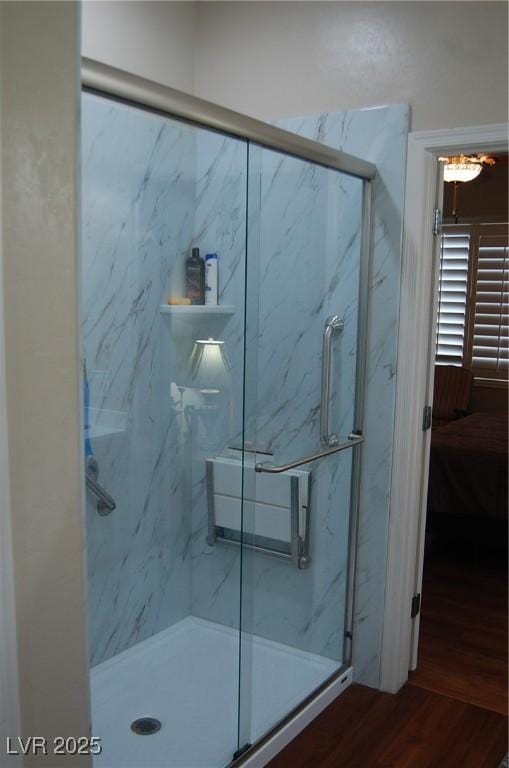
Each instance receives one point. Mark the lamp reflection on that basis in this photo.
(210, 377)
(210, 368)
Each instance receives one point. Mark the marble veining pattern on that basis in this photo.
(137, 198)
(149, 563)
(305, 240)
(380, 136)
(291, 235)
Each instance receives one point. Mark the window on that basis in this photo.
(452, 296)
(472, 327)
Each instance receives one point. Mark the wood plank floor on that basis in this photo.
(364, 728)
(463, 638)
(449, 714)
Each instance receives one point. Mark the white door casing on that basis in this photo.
(414, 388)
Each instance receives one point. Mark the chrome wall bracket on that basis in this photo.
(105, 502)
(233, 519)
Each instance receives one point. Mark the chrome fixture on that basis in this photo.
(146, 726)
(101, 78)
(105, 502)
(333, 325)
(352, 441)
(241, 530)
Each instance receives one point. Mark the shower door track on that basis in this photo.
(118, 84)
(128, 88)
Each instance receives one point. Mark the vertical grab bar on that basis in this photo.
(333, 324)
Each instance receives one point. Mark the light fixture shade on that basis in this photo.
(464, 167)
(462, 171)
(210, 369)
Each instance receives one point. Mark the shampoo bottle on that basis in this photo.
(211, 279)
(195, 277)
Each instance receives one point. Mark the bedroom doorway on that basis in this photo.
(460, 638)
(414, 389)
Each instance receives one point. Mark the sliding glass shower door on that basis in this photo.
(163, 383)
(304, 269)
(220, 437)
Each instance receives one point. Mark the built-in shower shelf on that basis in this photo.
(196, 311)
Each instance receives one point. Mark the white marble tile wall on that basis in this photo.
(307, 248)
(151, 565)
(301, 608)
(309, 260)
(137, 203)
(309, 269)
(145, 180)
(220, 227)
(379, 135)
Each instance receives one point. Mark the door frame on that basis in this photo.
(414, 389)
(10, 716)
(10, 719)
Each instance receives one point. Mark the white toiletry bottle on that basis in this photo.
(211, 279)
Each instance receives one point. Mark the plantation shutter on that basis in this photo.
(453, 295)
(488, 343)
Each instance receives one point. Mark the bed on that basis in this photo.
(468, 467)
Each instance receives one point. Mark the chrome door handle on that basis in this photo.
(353, 439)
(105, 502)
(333, 325)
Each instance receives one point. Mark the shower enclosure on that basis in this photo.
(222, 442)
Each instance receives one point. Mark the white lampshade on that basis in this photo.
(209, 366)
(462, 171)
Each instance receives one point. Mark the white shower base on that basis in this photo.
(187, 677)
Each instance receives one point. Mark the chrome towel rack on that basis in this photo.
(353, 440)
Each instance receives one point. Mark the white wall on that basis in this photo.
(39, 59)
(448, 60)
(152, 39)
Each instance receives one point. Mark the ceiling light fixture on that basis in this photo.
(464, 167)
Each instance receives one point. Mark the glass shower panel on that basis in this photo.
(164, 412)
(301, 359)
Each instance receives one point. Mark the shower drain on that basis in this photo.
(146, 726)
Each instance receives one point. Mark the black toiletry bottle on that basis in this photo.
(195, 277)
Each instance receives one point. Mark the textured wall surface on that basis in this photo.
(303, 58)
(153, 39)
(39, 88)
(276, 59)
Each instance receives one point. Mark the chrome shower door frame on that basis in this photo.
(128, 88)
